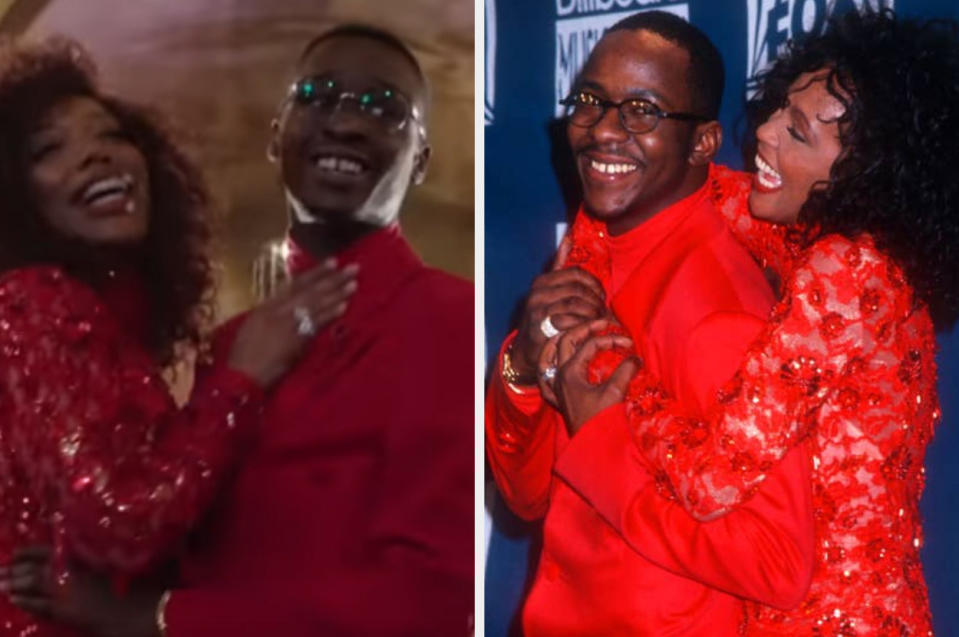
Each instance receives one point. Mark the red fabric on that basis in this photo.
(618, 559)
(847, 361)
(94, 456)
(354, 512)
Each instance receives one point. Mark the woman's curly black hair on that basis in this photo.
(173, 257)
(897, 177)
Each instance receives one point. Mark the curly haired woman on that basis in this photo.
(104, 284)
(855, 204)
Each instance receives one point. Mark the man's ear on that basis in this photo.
(708, 137)
(273, 147)
(420, 163)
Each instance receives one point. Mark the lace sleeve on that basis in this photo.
(93, 429)
(831, 320)
(773, 245)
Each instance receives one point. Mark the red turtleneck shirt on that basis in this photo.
(353, 511)
(618, 559)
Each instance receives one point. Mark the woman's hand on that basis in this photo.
(85, 600)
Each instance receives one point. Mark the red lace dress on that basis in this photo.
(847, 364)
(95, 458)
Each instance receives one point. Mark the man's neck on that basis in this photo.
(322, 240)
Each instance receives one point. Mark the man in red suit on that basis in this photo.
(352, 513)
(617, 557)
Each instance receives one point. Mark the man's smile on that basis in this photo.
(607, 167)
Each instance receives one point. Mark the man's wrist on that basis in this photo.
(514, 376)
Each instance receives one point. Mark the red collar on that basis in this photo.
(630, 248)
(591, 250)
(385, 258)
(591, 243)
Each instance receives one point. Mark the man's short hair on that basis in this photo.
(358, 30)
(706, 75)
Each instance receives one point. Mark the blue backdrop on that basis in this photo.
(533, 50)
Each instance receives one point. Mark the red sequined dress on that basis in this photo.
(846, 364)
(95, 458)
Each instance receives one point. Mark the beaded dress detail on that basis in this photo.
(95, 458)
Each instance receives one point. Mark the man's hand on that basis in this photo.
(570, 391)
(86, 600)
(568, 297)
(277, 332)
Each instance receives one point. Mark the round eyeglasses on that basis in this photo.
(385, 107)
(637, 115)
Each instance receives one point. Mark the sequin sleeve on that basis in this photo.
(839, 302)
(92, 430)
(773, 245)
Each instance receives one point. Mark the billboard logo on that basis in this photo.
(772, 23)
(566, 8)
(576, 37)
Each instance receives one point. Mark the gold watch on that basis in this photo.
(511, 375)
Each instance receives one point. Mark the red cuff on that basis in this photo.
(525, 398)
(602, 464)
(514, 418)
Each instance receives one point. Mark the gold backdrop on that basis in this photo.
(218, 68)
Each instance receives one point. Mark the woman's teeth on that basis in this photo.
(768, 178)
(110, 190)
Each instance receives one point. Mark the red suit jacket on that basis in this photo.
(618, 559)
(352, 513)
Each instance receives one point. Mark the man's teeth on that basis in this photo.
(340, 165)
(768, 178)
(611, 169)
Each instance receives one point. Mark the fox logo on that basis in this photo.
(772, 23)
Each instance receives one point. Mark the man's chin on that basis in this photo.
(328, 209)
(603, 211)
(607, 201)
(321, 193)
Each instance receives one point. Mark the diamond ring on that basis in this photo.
(305, 325)
(547, 328)
(549, 373)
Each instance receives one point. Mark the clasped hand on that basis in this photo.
(569, 388)
(575, 303)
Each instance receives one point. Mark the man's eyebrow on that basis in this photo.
(637, 93)
(588, 84)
